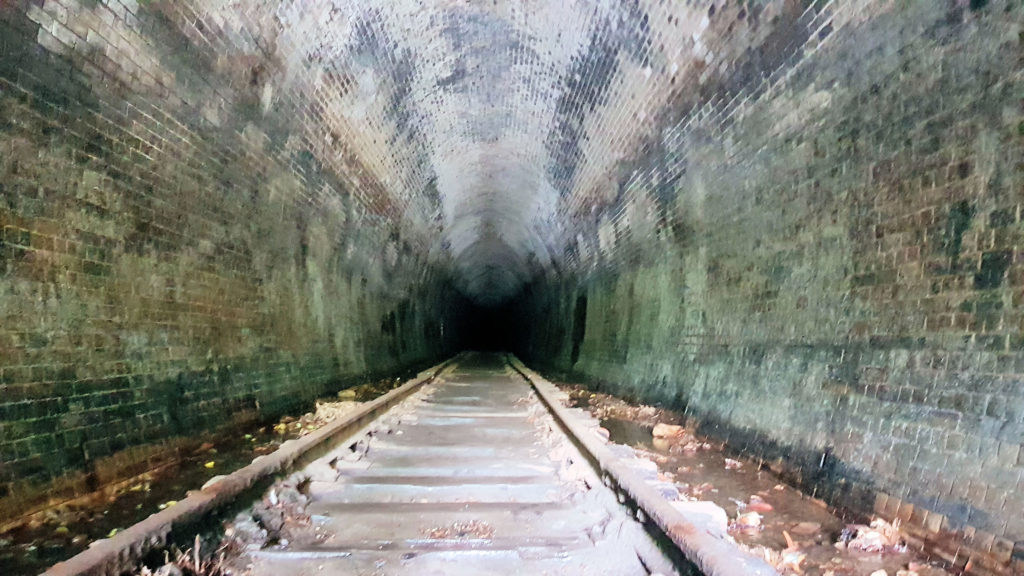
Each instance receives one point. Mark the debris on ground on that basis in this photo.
(473, 529)
(880, 536)
(690, 447)
(330, 411)
(190, 563)
(707, 515)
(651, 456)
(325, 413)
(757, 504)
(746, 521)
(55, 534)
(697, 491)
(745, 500)
(605, 406)
(789, 560)
(806, 528)
(662, 430)
(282, 513)
(245, 534)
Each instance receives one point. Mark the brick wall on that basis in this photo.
(797, 219)
(178, 249)
(822, 258)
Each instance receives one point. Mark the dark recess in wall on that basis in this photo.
(579, 326)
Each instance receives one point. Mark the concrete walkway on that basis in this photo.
(470, 475)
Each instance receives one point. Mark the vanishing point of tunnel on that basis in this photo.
(796, 222)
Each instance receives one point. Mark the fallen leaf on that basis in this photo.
(875, 538)
(747, 520)
(758, 505)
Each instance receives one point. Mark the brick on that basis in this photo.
(919, 517)
(881, 501)
(982, 540)
(130, 214)
(1002, 550)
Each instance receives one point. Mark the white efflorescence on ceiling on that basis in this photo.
(509, 139)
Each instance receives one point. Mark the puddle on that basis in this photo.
(69, 529)
(628, 432)
(732, 488)
(790, 522)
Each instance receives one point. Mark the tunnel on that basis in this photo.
(796, 222)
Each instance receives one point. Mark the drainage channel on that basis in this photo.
(474, 468)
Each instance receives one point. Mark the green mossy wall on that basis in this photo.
(836, 273)
(173, 257)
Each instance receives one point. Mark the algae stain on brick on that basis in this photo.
(158, 272)
(957, 223)
(993, 269)
(838, 296)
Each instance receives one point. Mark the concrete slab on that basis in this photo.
(411, 522)
(349, 492)
(447, 563)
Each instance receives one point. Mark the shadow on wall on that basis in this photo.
(579, 327)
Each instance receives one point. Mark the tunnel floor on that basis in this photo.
(471, 474)
(468, 476)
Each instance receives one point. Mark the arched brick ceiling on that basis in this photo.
(499, 135)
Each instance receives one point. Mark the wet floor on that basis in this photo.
(68, 530)
(64, 531)
(765, 514)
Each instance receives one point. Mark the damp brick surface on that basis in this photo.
(821, 261)
(800, 221)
